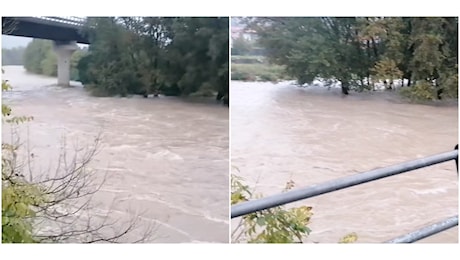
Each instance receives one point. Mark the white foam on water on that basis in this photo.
(205, 215)
(113, 190)
(429, 191)
(168, 204)
(104, 213)
(214, 219)
(165, 154)
(123, 147)
(202, 241)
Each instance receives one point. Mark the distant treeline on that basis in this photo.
(13, 56)
(40, 58)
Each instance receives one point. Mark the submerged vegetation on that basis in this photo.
(420, 53)
(150, 55)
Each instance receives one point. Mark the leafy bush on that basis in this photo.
(19, 198)
(422, 90)
(241, 75)
(449, 81)
(274, 225)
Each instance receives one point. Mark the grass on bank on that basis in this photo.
(258, 72)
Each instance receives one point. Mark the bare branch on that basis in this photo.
(68, 212)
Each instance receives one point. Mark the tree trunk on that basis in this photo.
(345, 88)
(219, 96)
(439, 92)
(408, 76)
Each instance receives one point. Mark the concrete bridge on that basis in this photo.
(66, 32)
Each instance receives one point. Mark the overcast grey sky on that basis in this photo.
(9, 42)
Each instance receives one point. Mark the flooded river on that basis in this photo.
(166, 160)
(282, 132)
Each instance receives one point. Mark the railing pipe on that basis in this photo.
(315, 190)
(426, 231)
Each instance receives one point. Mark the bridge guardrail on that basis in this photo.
(248, 207)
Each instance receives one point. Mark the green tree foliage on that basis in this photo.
(241, 46)
(145, 55)
(274, 225)
(435, 56)
(13, 56)
(246, 47)
(40, 58)
(19, 198)
(359, 51)
(36, 53)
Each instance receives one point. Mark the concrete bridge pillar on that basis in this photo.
(64, 52)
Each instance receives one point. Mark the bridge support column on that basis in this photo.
(64, 52)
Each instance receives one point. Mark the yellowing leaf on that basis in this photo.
(350, 238)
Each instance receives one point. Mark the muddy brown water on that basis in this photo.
(280, 132)
(165, 159)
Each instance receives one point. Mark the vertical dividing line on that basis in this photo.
(229, 130)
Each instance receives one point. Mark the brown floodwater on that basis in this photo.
(281, 132)
(166, 160)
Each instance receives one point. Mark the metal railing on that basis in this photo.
(66, 21)
(357, 179)
(426, 231)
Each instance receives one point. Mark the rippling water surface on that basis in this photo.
(281, 132)
(166, 159)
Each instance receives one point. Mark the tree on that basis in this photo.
(13, 56)
(144, 55)
(435, 44)
(35, 55)
(40, 58)
(241, 46)
(357, 51)
(203, 42)
(326, 47)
